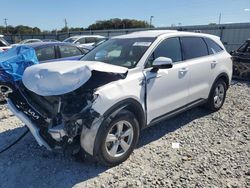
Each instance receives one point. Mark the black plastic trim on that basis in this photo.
(178, 111)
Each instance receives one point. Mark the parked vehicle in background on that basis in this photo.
(85, 41)
(4, 45)
(56, 51)
(122, 86)
(27, 41)
(50, 40)
(89, 48)
(241, 61)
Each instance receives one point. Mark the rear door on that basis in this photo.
(195, 54)
(167, 89)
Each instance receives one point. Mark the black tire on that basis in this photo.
(211, 104)
(100, 150)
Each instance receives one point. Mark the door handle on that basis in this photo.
(213, 64)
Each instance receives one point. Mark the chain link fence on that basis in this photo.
(232, 35)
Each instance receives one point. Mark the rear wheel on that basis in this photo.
(116, 140)
(217, 95)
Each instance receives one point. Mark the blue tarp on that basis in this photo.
(14, 61)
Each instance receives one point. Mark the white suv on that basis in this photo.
(119, 88)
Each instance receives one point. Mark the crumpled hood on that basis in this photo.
(57, 78)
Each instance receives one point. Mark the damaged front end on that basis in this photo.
(58, 120)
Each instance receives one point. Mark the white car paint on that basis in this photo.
(67, 76)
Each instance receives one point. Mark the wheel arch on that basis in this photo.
(224, 76)
(131, 105)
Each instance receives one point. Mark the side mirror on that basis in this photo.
(78, 43)
(162, 63)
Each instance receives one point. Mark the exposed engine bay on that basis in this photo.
(56, 120)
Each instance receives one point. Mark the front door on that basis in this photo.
(167, 89)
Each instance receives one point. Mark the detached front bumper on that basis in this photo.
(32, 127)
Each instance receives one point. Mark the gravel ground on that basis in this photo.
(214, 152)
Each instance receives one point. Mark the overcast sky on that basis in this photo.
(50, 14)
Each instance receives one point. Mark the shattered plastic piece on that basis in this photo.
(57, 78)
(175, 145)
(14, 61)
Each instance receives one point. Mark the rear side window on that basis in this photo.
(193, 47)
(68, 51)
(46, 53)
(213, 47)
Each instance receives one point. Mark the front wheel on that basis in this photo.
(217, 95)
(116, 140)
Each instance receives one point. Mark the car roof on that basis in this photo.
(44, 44)
(157, 33)
(149, 33)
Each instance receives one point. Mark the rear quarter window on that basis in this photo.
(213, 47)
(193, 47)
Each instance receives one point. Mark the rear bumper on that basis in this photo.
(32, 127)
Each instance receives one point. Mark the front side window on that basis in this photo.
(121, 52)
(69, 51)
(213, 47)
(169, 48)
(46, 53)
(193, 47)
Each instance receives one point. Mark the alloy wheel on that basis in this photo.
(119, 138)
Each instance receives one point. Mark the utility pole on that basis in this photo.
(6, 24)
(219, 18)
(150, 21)
(66, 25)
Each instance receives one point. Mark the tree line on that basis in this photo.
(114, 23)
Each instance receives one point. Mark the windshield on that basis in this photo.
(121, 52)
(70, 40)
